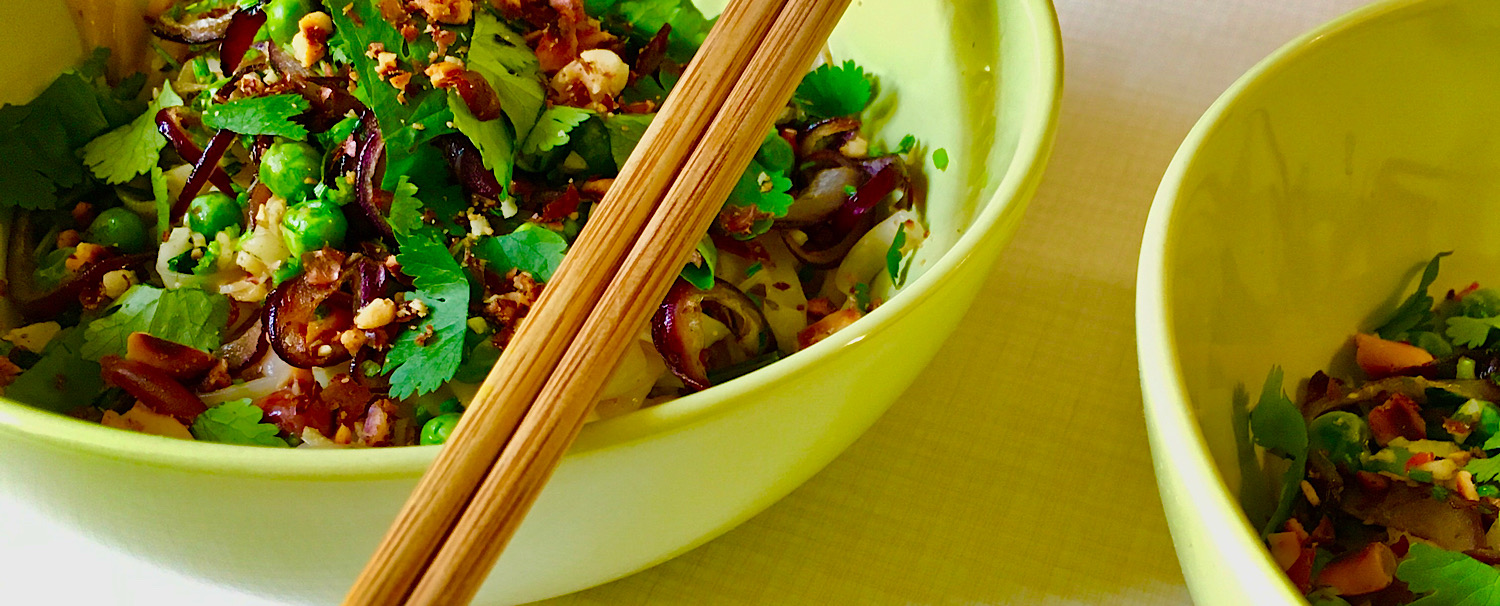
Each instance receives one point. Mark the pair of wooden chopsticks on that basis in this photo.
(534, 402)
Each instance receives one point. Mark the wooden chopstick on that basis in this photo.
(513, 384)
(690, 206)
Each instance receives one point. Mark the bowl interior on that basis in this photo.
(1300, 210)
(1004, 87)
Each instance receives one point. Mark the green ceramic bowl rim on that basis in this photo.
(1022, 177)
(1178, 444)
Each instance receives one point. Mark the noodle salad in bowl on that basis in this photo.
(317, 223)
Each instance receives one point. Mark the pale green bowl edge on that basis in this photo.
(1221, 554)
(1023, 176)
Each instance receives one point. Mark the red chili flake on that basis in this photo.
(1419, 459)
(561, 207)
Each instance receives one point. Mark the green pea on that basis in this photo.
(214, 212)
(291, 169)
(1342, 435)
(311, 225)
(282, 17)
(437, 430)
(120, 228)
(1483, 416)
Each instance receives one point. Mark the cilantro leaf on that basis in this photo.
(500, 55)
(119, 155)
(1491, 444)
(643, 18)
(39, 140)
(260, 116)
(1278, 427)
(422, 360)
(764, 189)
(187, 316)
(237, 422)
(531, 248)
(701, 273)
(893, 255)
(625, 131)
(1485, 470)
(835, 91)
(940, 159)
(1448, 578)
(553, 129)
(163, 201)
(495, 140)
(62, 380)
(1470, 332)
(406, 209)
(404, 122)
(1416, 311)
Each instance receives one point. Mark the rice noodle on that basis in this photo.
(868, 255)
(274, 373)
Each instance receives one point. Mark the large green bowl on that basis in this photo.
(1297, 212)
(980, 78)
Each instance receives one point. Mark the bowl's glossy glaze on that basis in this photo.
(642, 488)
(1298, 211)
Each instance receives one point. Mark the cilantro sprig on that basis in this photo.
(1278, 427)
(835, 91)
(530, 248)
(236, 422)
(1415, 313)
(188, 316)
(1448, 578)
(133, 149)
(260, 116)
(427, 354)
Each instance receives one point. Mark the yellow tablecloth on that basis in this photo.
(1019, 472)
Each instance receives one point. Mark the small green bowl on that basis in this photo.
(981, 78)
(1297, 212)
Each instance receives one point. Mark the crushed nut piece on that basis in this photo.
(310, 44)
(33, 337)
(452, 12)
(375, 314)
(117, 282)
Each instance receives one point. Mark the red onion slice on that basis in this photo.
(468, 167)
(65, 297)
(248, 347)
(677, 331)
(294, 306)
(205, 166)
(824, 195)
(828, 134)
(369, 172)
(169, 124)
(211, 26)
(239, 36)
(651, 56)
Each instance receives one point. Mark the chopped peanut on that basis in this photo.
(375, 314)
(33, 337)
(117, 282)
(310, 44)
(452, 12)
(85, 254)
(144, 420)
(445, 72)
(601, 72)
